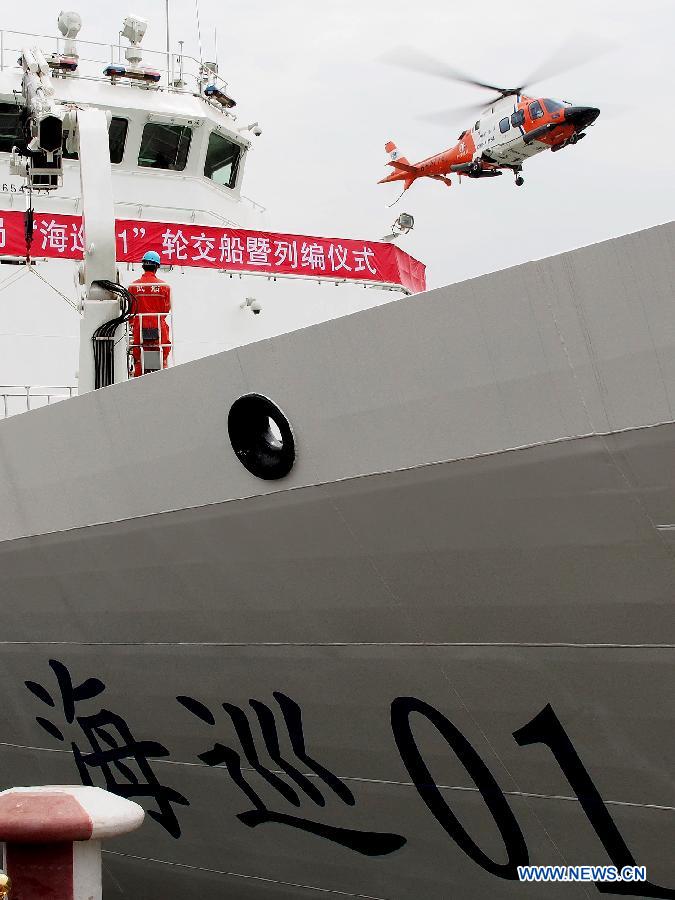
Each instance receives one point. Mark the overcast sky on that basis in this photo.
(309, 72)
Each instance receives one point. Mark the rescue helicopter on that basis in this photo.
(511, 128)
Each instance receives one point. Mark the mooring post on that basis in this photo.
(53, 835)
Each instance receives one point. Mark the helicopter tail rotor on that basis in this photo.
(403, 171)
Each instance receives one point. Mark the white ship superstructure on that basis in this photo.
(178, 152)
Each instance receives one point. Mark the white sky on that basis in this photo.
(309, 72)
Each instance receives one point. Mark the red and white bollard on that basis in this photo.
(52, 838)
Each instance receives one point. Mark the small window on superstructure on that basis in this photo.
(504, 125)
(117, 135)
(535, 110)
(9, 126)
(165, 146)
(65, 152)
(222, 160)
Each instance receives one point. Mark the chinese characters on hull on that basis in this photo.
(366, 842)
(111, 748)
(105, 744)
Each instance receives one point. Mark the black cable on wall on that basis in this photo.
(103, 339)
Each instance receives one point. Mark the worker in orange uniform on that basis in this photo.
(150, 337)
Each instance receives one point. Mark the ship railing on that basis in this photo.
(20, 398)
(191, 213)
(160, 211)
(258, 207)
(149, 344)
(179, 72)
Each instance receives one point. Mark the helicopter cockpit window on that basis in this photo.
(222, 160)
(535, 110)
(117, 136)
(553, 105)
(9, 126)
(517, 118)
(165, 146)
(504, 125)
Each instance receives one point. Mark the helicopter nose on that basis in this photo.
(581, 116)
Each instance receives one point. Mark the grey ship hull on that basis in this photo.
(478, 533)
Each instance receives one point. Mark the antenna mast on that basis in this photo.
(168, 47)
(199, 31)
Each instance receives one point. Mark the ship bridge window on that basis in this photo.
(165, 146)
(117, 136)
(9, 126)
(535, 110)
(222, 160)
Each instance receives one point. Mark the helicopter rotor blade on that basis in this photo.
(452, 115)
(416, 61)
(577, 50)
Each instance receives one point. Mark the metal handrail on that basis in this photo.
(192, 210)
(139, 345)
(28, 392)
(182, 66)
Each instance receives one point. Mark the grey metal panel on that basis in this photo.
(614, 705)
(567, 346)
(613, 304)
(547, 544)
(484, 581)
(129, 876)
(645, 457)
(427, 583)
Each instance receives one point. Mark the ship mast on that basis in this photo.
(40, 163)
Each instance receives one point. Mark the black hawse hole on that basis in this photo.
(261, 436)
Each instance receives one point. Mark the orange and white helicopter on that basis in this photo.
(511, 128)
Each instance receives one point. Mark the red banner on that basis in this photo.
(228, 249)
